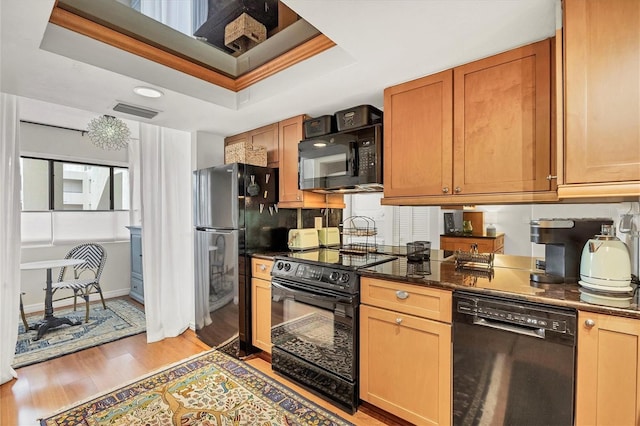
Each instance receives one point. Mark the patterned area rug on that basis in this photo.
(120, 319)
(208, 389)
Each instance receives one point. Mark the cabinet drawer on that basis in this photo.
(425, 302)
(261, 268)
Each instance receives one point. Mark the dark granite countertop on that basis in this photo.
(266, 255)
(508, 278)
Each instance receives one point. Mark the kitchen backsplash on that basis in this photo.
(330, 217)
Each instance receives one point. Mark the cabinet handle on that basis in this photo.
(400, 294)
(398, 321)
(589, 323)
(549, 177)
(263, 267)
(445, 189)
(457, 190)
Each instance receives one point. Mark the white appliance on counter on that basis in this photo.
(303, 239)
(605, 264)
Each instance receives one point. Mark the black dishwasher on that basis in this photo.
(513, 362)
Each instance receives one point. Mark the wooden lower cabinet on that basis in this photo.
(608, 370)
(261, 304)
(405, 360)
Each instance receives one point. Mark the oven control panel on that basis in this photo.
(322, 276)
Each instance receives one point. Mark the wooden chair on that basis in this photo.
(86, 276)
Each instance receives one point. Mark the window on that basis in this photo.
(64, 185)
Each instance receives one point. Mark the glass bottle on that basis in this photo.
(467, 228)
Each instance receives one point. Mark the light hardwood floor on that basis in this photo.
(48, 386)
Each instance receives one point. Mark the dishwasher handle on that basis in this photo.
(538, 333)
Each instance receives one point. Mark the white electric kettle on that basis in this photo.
(606, 264)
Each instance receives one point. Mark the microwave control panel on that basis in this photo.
(366, 157)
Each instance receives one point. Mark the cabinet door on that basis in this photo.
(602, 101)
(267, 137)
(261, 314)
(417, 137)
(502, 119)
(608, 372)
(405, 365)
(136, 254)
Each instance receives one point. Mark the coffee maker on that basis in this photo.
(563, 240)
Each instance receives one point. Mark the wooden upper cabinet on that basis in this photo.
(602, 95)
(502, 122)
(266, 136)
(418, 124)
(290, 133)
(480, 132)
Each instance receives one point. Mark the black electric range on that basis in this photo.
(327, 268)
(314, 321)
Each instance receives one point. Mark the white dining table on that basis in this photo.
(50, 321)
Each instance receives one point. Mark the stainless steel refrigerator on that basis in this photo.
(235, 215)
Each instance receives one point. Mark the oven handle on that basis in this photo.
(331, 299)
(537, 333)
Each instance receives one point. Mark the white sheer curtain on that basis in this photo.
(135, 197)
(167, 233)
(9, 233)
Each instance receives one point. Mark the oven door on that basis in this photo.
(314, 337)
(328, 162)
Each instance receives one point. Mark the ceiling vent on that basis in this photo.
(134, 110)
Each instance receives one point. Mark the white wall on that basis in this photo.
(209, 150)
(61, 144)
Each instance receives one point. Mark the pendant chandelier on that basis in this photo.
(108, 132)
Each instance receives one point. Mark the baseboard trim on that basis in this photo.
(39, 307)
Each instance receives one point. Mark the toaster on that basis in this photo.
(303, 239)
(328, 237)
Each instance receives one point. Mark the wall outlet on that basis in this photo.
(317, 222)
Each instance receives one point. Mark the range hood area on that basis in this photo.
(354, 189)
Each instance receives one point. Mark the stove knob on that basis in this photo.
(344, 278)
(334, 276)
(279, 265)
(287, 266)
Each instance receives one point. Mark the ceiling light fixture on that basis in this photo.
(108, 132)
(147, 92)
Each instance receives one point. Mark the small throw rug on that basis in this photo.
(211, 389)
(120, 319)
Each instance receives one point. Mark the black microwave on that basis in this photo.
(347, 161)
